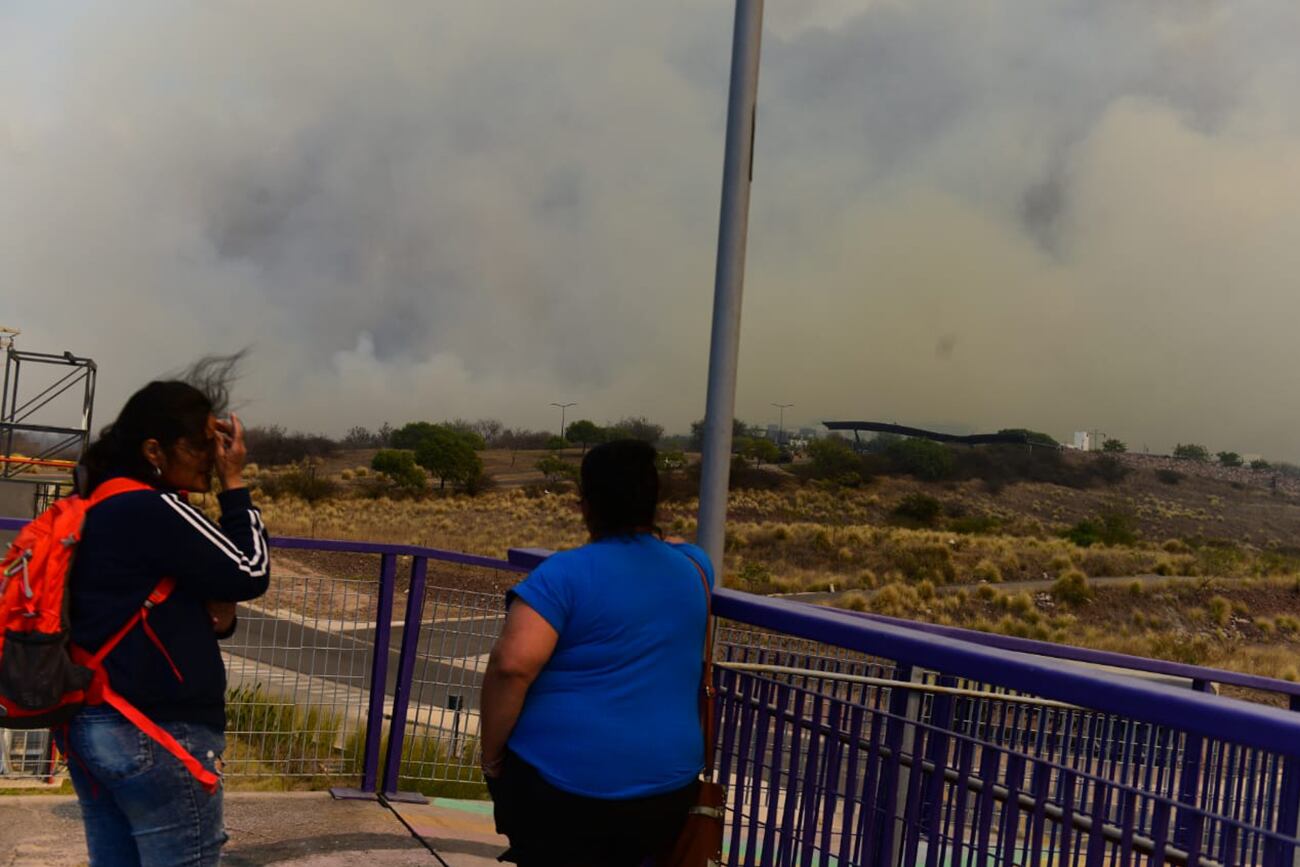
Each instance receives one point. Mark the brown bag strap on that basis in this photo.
(707, 704)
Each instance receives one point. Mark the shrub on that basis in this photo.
(918, 508)
(1260, 464)
(273, 446)
(833, 459)
(1114, 446)
(556, 469)
(987, 570)
(1169, 477)
(852, 601)
(301, 482)
(924, 459)
(1112, 526)
(1109, 469)
(1072, 588)
(975, 524)
(1220, 610)
(400, 467)
(1191, 452)
(1229, 459)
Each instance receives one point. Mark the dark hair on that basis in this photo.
(620, 485)
(166, 410)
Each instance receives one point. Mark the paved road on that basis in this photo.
(450, 657)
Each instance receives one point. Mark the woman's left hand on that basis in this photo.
(223, 616)
(492, 769)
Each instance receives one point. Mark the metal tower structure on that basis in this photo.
(55, 448)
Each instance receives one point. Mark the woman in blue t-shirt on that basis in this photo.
(590, 707)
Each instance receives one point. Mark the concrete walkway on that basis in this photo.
(307, 829)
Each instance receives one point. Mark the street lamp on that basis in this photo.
(780, 427)
(563, 407)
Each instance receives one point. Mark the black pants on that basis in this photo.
(549, 827)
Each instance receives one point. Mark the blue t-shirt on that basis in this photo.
(615, 712)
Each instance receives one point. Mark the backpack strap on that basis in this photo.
(113, 487)
(100, 692)
(210, 781)
(159, 595)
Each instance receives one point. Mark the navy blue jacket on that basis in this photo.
(128, 544)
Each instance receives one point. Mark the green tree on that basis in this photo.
(556, 443)
(635, 428)
(1260, 464)
(411, 434)
(585, 432)
(1035, 437)
(761, 451)
(833, 458)
(924, 459)
(449, 456)
(556, 469)
(400, 466)
(1229, 459)
(739, 430)
(468, 430)
(1114, 446)
(1191, 452)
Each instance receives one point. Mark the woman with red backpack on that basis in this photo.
(148, 781)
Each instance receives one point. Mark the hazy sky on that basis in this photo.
(1060, 215)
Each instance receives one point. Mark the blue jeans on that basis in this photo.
(140, 806)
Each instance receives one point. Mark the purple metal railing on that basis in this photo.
(856, 740)
(853, 741)
(377, 778)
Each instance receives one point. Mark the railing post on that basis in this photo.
(1288, 809)
(1189, 782)
(904, 712)
(378, 683)
(402, 692)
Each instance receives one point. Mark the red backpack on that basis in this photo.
(45, 679)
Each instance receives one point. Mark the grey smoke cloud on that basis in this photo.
(1059, 215)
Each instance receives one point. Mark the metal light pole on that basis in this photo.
(729, 278)
(780, 425)
(563, 407)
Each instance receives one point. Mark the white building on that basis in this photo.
(1082, 441)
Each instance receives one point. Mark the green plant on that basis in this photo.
(918, 508)
(922, 458)
(1112, 526)
(1191, 452)
(1169, 477)
(761, 451)
(1072, 588)
(301, 482)
(556, 469)
(1260, 464)
(585, 432)
(987, 570)
(448, 455)
(1229, 459)
(1114, 446)
(399, 465)
(833, 458)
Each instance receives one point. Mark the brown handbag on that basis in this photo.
(700, 842)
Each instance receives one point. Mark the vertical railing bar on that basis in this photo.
(378, 673)
(410, 648)
(857, 710)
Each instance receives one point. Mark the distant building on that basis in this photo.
(1082, 441)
